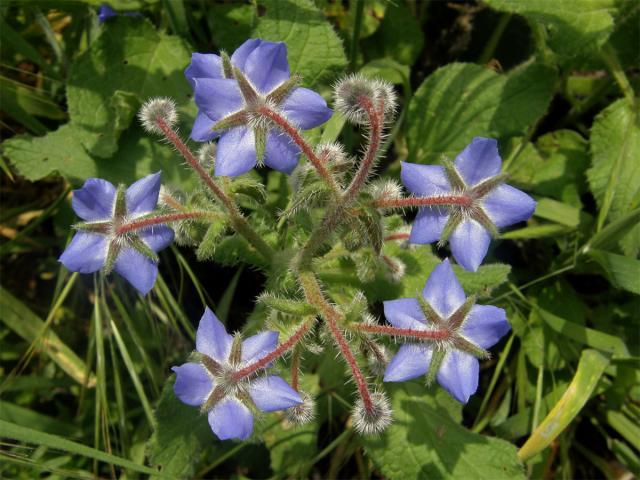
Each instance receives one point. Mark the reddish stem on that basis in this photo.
(396, 236)
(402, 332)
(278, 352)
(371, 153)
(294, 134)
(436, 200)
(147, 222)
(295, 369)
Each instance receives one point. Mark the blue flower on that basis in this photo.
(105, 12)
(101, 242)
(492, 204)
(228, 104)
(228, 400)
(470, 329)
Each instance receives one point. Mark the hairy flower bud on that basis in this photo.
(385, 190)
(353, 92)
(207, 155)
(303, 413)
(163, 108)
(375, 420)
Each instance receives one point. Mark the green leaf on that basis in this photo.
(558, 212)
(23, 434)
(614, 176)
(590, 368)
(388, 70)
(180, 436)
(425, 442)
(623, 272)
(460, 101)
(17, 316)
(613, 232)
(400, 35)
(314, 49)
(570, 29)
(230, 24)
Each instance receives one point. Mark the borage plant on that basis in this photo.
(257, 110)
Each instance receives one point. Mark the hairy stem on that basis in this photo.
(295, 135)
(281, 349)
(314, 296)
(238, 221)
(161, 219)
(436, 200)
(402, 332)
(371, 152)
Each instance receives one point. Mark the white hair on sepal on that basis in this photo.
(158, 107)
(374, 421)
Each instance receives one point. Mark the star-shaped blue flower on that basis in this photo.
(471, 329)
(210, 382)
(221, 100)
(104, 208)
(493, 204)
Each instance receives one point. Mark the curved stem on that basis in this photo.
(238, 221)
(402, 332)
(314, 296)
(161, 219)
(277, 353)
(436, 200)
(295, 135)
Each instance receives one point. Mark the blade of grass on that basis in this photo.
(227, 297)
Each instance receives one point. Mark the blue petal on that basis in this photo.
(158, 237)
(404, 313)
(212, 338)
(139, 270)
(458, 375)
(428, 225)
(217, 97)
(281, 153)
(106, 12)
(479, 160)
(306, 108)
(193, 385)
(236, 153)
(506, 205)
(203, 65)
(443, 291)
(485, 325)
(272, 393)
(239, 57)
(86, 253)
(94, 201)
(142, 196)
(411, 361)
(231, 419)
(424, 180)
(259, 345)
(469, 243)
(202, 130)
(267, 66)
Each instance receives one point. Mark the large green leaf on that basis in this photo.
(314, 49)
(572, 28)
(460, 101)
(623, 272)
(426, 442)
(614, 176)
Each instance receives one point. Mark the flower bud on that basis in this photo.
(207, 155)
(158, 108)
(385, 190)
(377, 358)
(375, 420)
(303, 413)
(353, 91)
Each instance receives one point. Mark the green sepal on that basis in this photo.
(246, 89)
(278, 95)
(455, 219)
(113, 250)
(371, 226)
(235, 357)
(212, 237)
(429, 313)
(227, 66)
(470, 348)
(459, 316)
(120, 206)
(211, 365)
(436, 361)
(260, 135)
(480, 216)
(213, 399)
(484, 187)
(138, 244)
(230, 121)
(93, 227)
(286, 305)
(455, 180)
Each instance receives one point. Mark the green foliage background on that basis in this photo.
(83, 378)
